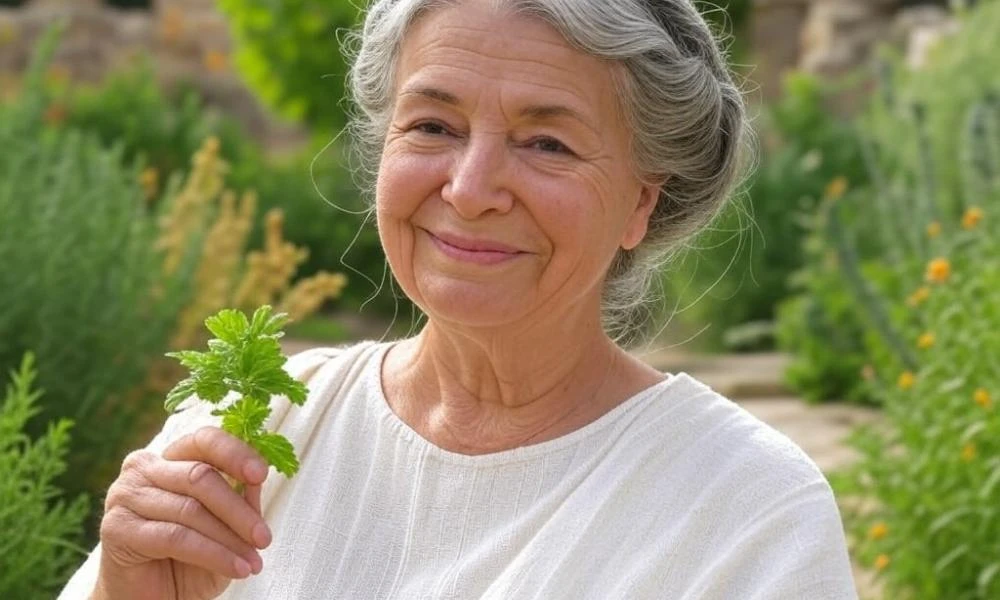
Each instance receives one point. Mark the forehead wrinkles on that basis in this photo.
(533, 57)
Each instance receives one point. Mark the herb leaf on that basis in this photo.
(244, 357)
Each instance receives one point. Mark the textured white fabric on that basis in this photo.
(677, 493)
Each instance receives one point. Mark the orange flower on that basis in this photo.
(906, 380)
(919, 297)
(925, 341)
(215, 61)
(933, 229)
(972, 217)
(836, 188)
(882, 562)
(938, 270)
(878, 531)
(55, 114)
(969, 452)
(982, 398)
(172, 25)
(57, 74)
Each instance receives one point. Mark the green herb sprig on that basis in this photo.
(244, 357)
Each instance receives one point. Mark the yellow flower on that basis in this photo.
(972, 217)
(969, 452)
(925, 341)
(919, 297)
(150, 181)
(982, 398)
(836, 188)
(933, 229)
(906, 380)
(878, 531)
(938, 270)
(882, 562)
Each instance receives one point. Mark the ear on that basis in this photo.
(638, 221)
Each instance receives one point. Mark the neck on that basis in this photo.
(484, 392)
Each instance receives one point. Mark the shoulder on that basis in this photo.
(715, 460)
(729, 486)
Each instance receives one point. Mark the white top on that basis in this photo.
(677, 493)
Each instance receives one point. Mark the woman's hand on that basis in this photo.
(174, 528)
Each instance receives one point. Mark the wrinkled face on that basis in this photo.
(506, 184)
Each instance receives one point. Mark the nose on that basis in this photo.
(478, 181)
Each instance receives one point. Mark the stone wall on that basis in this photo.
(834, 37)
(188, 41)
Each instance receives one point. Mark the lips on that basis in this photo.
(474, 245)
(473, 250)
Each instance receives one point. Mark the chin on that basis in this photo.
(470, 304)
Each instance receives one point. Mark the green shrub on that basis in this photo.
(81, 282)
(39, 530)
(128, 108)
(290, 55)
(921, 503)
(738, 272)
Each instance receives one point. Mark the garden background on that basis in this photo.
(163, 159)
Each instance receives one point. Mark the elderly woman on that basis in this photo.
(536, 160)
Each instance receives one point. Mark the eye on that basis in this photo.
(548, 144)
(430, 128)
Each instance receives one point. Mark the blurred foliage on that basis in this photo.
(916, 254)
(78, 277)
(289, 53)
(737, 272)
(38, 529)
(130, 110)
(112, 267)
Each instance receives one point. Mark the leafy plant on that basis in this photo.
(82, 284)
(244, 357)
(921, 502)
(289, 54)
(38, 528)
(739, 271)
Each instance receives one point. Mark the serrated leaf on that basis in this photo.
(181, 392)
(245, 418)
(210, 390)
(228, 325)
(264, 323)
(277, 451)
(191, 359)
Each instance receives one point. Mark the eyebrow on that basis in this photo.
(538, 112)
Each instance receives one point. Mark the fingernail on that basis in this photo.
(261, 535)
(256, 563)
(242, 567)
(255, 470)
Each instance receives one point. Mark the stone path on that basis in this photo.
(754, 382)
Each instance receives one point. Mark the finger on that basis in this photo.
(201, 482)
(162, 540)
(224, 451)
(154, 504)
(252, 494)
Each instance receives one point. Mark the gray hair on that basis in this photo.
(687, 117)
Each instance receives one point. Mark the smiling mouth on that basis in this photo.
(478, 252)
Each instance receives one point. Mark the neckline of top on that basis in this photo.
(676, 383)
